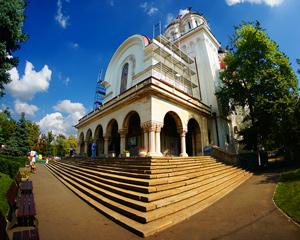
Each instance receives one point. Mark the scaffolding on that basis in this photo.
(173, 65)
(99, 92)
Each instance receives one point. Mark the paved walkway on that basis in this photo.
(246, 213)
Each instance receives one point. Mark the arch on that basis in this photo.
(112, 132)
(81, 144)
(99, 140)
(193, 138)
(170, 138)
(89, 142)
(134, 136)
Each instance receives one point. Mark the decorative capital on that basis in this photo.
(151, 126)
(182, 131)
(123, 132)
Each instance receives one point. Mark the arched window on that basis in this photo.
(124, 78)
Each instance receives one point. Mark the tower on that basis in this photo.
(192, 34)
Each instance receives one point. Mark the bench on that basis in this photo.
(26, 210)
(26, 235)
(11, 196)
(21, 205)
(26, 187)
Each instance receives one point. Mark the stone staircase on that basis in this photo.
(147, 195)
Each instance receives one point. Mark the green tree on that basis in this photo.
(33, 134)
(259, 78)
(72, 141)
(50, 139)
(61, 146)
(7, 126)
(11, 36)
(298, 62)
(21, 135)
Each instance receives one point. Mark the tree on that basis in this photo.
(21, 135)
(11, 36)
(298, 62)
(33, 134)
(72, 141)
(259, 78)
(7, 126)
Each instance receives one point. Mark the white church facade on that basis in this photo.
(160, 96)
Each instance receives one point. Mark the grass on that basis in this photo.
(5, 182)
(287, 195)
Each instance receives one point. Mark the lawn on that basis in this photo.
(5, 182)
(287, 195)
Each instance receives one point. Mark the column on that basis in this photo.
(152, 129)
(123, 133)
(182, 133)
(146, 137)
(86, 147)
(106, 139)
(157, 140)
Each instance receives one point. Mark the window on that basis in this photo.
(190, 27)
(197, 24)
(124, 78)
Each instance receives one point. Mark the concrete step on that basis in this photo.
(140, 165)
(152, 174)
(136, 209)
(161, 223)
(166, 179)
(167, 192)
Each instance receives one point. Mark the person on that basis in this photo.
(93, 150)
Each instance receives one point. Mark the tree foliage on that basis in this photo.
(11, 36)
(259, 78)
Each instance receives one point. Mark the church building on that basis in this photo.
(160, 95)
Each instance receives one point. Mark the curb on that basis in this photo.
(280, 210)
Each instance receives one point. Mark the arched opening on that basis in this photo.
(170, 138)
(193, 139)
(114, 138)
(81, 144)
(89, 142)
(99, 141)
(124, 78)
(134, 133)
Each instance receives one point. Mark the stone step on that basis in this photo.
(141, 165)
(170, 178)
(159, 224)
(152, 174)
(136, 209)
(183, 187)
(143, 160)
(144, 189)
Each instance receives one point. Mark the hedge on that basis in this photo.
(10, 165)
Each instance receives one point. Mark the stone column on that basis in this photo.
(146, 137)
(182, 133)
(106, 139)
(123, 133)
(157, 139)
(152, 128)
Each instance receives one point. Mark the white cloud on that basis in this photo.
(182, 12)
(111, 3)
(66, 81)
(149, 9)
(31, 82)
(53, 122)
(170, 18)
(271, 3)
(75, 45)
(62, 121)
(66, 106)
(62, 19)
(28, 109)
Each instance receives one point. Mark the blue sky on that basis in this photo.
(71, 40)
